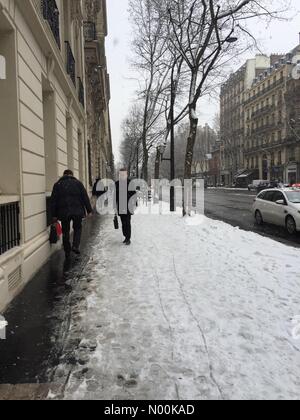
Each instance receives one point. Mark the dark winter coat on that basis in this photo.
(97, 193)
(130, 194)
(69, 198)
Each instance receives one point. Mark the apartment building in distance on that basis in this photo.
(44, 127)
(100, 155)
(272, 121)
(205, 143)
(232, 118)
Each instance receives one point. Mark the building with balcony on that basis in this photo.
(100, 156)
(272, 136)
(232, 118)
(43, 126)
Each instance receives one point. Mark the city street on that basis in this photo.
(124, 274)
(235, 207)
(160, 319)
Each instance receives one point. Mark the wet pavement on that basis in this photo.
(39, 318)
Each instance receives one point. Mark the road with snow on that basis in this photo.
(235, 207)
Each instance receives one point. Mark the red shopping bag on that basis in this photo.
(58, 229)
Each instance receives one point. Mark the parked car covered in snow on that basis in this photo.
(279, 207)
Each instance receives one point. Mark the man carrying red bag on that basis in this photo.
(70, 203)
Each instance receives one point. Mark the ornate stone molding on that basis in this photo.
(76, 11)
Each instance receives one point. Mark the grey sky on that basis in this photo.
(280, 37)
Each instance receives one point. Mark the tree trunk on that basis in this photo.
(156, 176)
(145, 164)
(190, 151)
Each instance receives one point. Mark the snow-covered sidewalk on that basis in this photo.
(189, 311)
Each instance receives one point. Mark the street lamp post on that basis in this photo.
(162, 148)
(172, 161)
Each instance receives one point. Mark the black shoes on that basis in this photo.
(127, 242)
(76, 251)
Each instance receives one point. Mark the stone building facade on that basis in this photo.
(44, 127)
(100, 156)
(232, 117)
(272, 136)
(259, 121)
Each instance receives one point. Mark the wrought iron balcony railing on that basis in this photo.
(89, 29)
(51, 15)
(70, 61)
(81, 92)
(9, 227)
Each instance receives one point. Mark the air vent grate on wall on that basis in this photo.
(15, 279)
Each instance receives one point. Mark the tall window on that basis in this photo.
(279, 135)
(273, 119)
(9, 128)
(292, 154)
(272, 159)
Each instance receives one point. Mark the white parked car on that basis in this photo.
(279, 207)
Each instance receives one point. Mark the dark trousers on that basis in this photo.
(77, 227)
(126, 225)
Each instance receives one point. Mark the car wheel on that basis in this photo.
(291, 225)
(258, 217)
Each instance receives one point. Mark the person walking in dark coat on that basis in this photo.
(97, 192)
(122, 202)
(70, 203)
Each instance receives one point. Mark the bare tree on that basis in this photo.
(130, 149)
(151, 51)
(202, 32)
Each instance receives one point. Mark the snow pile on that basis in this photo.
(194, 309)
(3, 325)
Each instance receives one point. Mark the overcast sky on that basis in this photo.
(280, 37)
